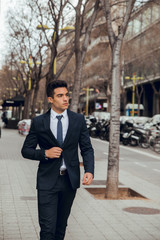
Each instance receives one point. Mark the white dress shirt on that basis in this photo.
(53, 127)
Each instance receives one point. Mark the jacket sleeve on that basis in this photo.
(29, 147)
(87, 151)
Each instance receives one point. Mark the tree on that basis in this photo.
(157, 96)
(6, 84)
(139, 91)
(116, 36)
(41, 46)
(27, 59)
(81, 49)
(52, 16)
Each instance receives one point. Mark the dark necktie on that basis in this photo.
(59, 130)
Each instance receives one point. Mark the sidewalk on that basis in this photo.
(90, 219)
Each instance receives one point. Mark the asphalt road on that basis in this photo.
(143, 163)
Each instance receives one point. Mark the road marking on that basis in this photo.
(139, 164)
(156, 170)
(131, 149)
(141, 152)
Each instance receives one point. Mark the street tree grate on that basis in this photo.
(142, 210)
(123, 193)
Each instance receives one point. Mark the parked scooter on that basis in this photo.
(129, 138)
(133, 135)
(95, 128)
(143, 135)
(104, 132)
(154, 140)
(92, 126)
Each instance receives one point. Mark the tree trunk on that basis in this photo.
(78, 61)
(157, 94)
(157, 103)
(81, 52)
(77, 84)
(35, 95)
(123, 101)
(109, 97)
(50, 75)
(27, 105)
(115, 40)
(139, 95)
(138, 113)
(45, 99)
(113, 157)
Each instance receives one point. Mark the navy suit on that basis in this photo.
(48, 170)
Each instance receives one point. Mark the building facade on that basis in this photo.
(140, 61)
(141, 58)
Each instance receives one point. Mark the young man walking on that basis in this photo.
(58, 134)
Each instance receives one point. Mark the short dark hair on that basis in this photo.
(55, 84)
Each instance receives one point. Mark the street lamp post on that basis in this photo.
(87, 98)
(45, 27)
(134, 78)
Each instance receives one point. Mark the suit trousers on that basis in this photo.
(54, 207)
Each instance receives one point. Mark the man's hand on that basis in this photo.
(87, 179)
(54, 152)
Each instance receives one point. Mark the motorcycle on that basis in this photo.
(104, 131)
(95, 129)
(143, 137)
(129, 138)
(134, 135)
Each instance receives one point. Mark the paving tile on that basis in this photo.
(90, 219)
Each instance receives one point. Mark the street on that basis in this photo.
(140, 162)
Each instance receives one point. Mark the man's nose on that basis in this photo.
(65, 98)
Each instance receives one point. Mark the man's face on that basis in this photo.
(60, 99)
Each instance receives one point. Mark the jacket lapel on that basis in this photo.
(71, 122)
(46, 121)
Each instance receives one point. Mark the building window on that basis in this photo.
(155, 12)
(129, 30)
(137, 24)
(146, 18)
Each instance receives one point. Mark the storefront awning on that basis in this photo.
(14, 102)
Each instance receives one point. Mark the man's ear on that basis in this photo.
(50, 99)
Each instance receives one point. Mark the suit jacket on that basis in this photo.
(48, 170)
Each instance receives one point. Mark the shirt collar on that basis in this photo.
(54, 114)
